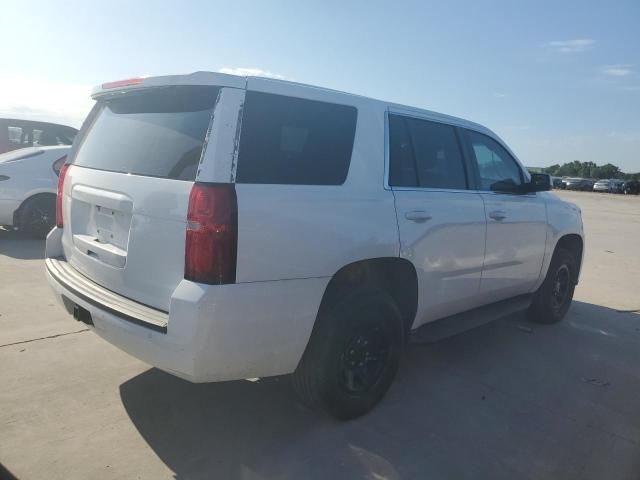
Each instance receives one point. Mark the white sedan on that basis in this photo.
(28, 185)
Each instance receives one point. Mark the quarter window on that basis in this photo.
(288, 140)
(493, 162)
(424, 154)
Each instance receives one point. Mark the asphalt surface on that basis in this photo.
(508, 400)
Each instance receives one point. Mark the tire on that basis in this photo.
(353, 355)
(37, 215)
(553, 299)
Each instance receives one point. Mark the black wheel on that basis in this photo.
(553, 298)
(352, 356)
(37, 215)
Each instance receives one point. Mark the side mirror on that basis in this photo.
(540, 182)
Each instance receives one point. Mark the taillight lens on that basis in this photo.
(61, 174)
(212, 234)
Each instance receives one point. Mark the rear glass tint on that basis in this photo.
(288, 140)
(158, 133)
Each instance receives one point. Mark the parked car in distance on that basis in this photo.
(582, 184)
(617, 186)
(573, 183)
(603, 186)
(15, 134)
(557, 182)
(631, 187)
(28, 186)
(250, 227)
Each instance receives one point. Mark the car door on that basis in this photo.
(441, 222)
(516, 221)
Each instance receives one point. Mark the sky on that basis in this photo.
(558, 81)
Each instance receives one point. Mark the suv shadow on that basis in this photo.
(16, 245)
(509, 399)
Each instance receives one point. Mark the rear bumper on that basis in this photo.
(73, 282)
(212, 333)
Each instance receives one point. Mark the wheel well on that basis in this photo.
(16, 214)
(574, 244)
(396, 276)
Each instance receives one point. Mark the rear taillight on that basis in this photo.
(212, 234)
(61, 174)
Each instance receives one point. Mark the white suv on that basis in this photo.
(222, 227)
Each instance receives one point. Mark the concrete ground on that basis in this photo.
(508, 400)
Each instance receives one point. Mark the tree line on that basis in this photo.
(589, 170)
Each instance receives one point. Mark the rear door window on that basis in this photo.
(424, 154)
(158, 132)
(288, 140)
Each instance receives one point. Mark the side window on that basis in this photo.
(493, 161)
(15, 135)
(23, 135)
(288, 140)
(45, 137)
(424, 154)
(402, 163)
(37, 133)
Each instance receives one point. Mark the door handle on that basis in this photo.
(498, 215)
(417, 216)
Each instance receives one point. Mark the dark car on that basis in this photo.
(15, 134)
(583, 184)
(617, 186)
(631, 187)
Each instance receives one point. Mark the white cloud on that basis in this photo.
(500, 95)
(571, 46)
(250, 72)
(30, 99)
(620, 70)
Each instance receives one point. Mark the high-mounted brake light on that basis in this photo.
(61, 174)
(212, 234)
(123, 83)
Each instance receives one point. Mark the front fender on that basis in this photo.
(563, 218)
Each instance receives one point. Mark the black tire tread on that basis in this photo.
(540, 311)
(24, 209)
(307, 381)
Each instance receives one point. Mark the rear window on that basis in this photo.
(158, 133)
(288, 140)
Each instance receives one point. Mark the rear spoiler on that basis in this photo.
(196, 78)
